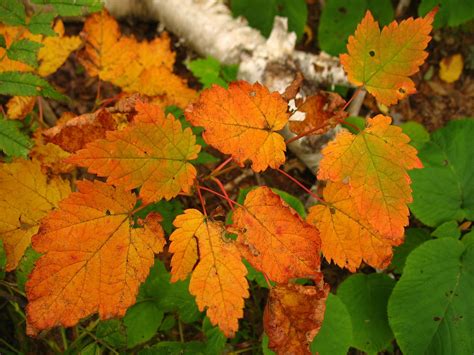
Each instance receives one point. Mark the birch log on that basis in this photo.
(207, 26)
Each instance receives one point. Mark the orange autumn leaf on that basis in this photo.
(274, 239)
(374, 164)
(218, 279)
(94, 257)
(51, 157)
(26, 196)
(293, 316)
(19, 106)
(243, 121)
(347, 239)
(75, 133)
(322, 112)
(382, 61)
(141, 67)
(154, 152)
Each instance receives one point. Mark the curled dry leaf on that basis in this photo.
(26, 196)
(323, 111)
(374, 164)
(382, 61)
(243, 121)
(346, 237)
(293, 316)
(218, 279)
(94, 257)
(154, 152)
(274, 239)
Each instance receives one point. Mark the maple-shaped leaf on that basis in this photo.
(56, 49)
(143, 67)
(51, 157)
(346, 237)
(153, 152)
(274, 238)
(322, 112)
(243, 121)
(218, 279)
(75, 133)
(374, 163)
(293, 316)
(94, 257)
(19, 106)
(382, 61)
(26, 196)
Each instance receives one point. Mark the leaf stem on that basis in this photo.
(220, 195)
(311, 193)
(203, 202)
(219, 183)
(64, 338)
(180, 328)
(221, 166)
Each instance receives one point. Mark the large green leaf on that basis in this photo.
(142, 322)
(24, 51)
(413, 238)
(418, 134)
(26, 265)
(26, 84)
(210, 71)
(451, 12)
(366, 297)
(41, 23)
(72, 7)
(339, 20)
(335, 335)
(12, 12)
(444, 189)
(430, 310)
(13, 142)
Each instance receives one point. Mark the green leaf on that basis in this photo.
(167, 296)
(216, 340)
(259, 13)
(3, 260)
(444, 189)
(25, 266)
(447, 230)
(430, 309)
(335, 335)
(339, 20)
(24, 51)
(3, 44)
(417, 133)
(41, 23)
(13, 142)
(265, 349)
(207, 71)
(451, 12)
(27, 84)
(72, 7)
(142, 322)
(257, 276)
(353, 122)
(112, 332)
(168, 323)
(366, 297)
(205, 158)
(297, 13)
(12, 12)
(413, 238)
(91, 349)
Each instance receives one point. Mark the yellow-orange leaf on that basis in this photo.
(243, 121)
(383, 60)
(218, 280)
(153, 152)
(51, 158)
(19, 106)
(143, 67)
(56, 49)
(274, 239)
(94, 258)
(293, 316)
(346, 237)
(26, 196)
(374, 163)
